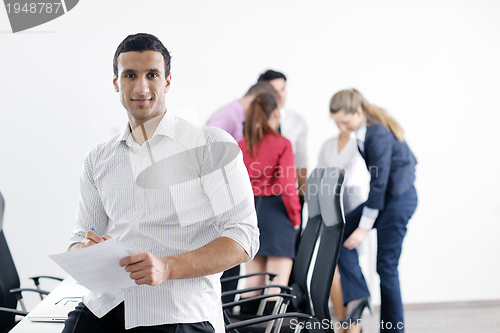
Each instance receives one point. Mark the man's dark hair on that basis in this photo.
(142, 42)
(270, 75)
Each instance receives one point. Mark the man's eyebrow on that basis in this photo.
(153, 70)
(128, 71)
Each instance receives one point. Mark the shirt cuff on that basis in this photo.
(368, 218)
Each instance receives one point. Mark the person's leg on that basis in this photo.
(336, 296)
(281, 266)
(257, 265)
(391, 230)
(353, 282)
(82, 320)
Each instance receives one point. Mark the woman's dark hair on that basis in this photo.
(257, 120)
(142, 42)
(270, 75)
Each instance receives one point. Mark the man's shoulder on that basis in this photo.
(294, 115)
(295, 119)
(215, 134)
(106, 147)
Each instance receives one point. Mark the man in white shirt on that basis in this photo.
(292, 126)
(175, 196)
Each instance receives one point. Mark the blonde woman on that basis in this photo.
(392, 200)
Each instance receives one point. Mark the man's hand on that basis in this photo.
(91, 238)
(145, 268)
(356, 238)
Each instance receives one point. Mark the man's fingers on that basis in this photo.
(133, 259)
(92, 236)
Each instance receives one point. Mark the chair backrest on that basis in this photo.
(9, 279)
(332, 217)
(307, 242)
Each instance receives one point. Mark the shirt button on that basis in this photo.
(139, 206)
(137, 250)
(128, 290)
(134, 227)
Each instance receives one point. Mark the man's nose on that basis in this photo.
(141, 86)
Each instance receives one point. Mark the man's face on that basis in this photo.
(279, 86)
(142, 84)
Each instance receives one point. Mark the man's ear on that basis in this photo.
(115, 83)
(168, 80)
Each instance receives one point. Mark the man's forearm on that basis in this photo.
(217, 256)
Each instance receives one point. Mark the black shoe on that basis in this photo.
(352, 317)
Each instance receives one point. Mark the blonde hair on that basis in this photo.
(351, 100)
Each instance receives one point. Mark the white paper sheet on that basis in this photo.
(97, 267)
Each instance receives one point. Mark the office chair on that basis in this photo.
(10, 293)
(317, 316)
(301, 263)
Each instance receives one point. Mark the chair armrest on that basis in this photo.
(36, 279)
(264, 319)
(256, 298)
(18, 291)
(232, 278)
(17, 312)
(241, 291)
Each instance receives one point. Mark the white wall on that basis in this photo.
(432, 64)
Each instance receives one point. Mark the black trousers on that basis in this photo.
(82, 320)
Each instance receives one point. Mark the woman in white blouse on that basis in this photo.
(342, 151)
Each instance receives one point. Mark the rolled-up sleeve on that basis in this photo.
(226, 183)
(90, 212)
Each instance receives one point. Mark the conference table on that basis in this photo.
(68, 289)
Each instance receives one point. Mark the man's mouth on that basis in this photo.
(141, 100)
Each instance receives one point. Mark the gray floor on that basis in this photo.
(471, 317)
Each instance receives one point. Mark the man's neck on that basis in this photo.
(245, 101)
(145, 130)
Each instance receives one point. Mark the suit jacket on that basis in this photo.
(391, 165)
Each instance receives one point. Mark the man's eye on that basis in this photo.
(129, 75)
(153, 75)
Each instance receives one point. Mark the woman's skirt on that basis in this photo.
(277, 235)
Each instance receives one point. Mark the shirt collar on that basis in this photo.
(166, 127)
(361, 131)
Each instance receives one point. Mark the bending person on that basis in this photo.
(391, 203)
(269, 159)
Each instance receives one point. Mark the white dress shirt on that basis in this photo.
(294, 128)
(180, 190)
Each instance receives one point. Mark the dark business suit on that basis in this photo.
(392, 167)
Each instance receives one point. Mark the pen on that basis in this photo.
(94, 231)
